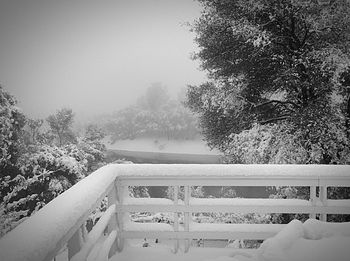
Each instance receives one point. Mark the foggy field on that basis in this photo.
(196, 146)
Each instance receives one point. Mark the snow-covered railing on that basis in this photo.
(62, 222)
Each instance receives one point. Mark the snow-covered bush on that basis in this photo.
(138, 192)
(44, 174)
(279, 144)
(33, 169)
(12, 122)
(167, 218)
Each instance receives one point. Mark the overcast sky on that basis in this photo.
(94, 56)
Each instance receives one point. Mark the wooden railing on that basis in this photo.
(61, 223)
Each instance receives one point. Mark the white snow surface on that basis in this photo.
(147, 201)
(312, 241)
(315, 229)
(163, 145)
(166, 254)
(237, 170)
(134, 226)
(273, 228)
(249, 202)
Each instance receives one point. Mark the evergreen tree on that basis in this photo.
(279, 68)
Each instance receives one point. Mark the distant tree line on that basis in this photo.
(154, 115)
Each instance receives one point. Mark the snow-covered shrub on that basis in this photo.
(138, 192)
(167, 218)
(91, 143)
(279, 144)
(9, 220)
(285, 144)
(33, 169)
(44, 173)
(12, 122)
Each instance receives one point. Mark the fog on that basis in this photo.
(94, 56)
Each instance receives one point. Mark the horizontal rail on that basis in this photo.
(235, 180)
(202, 230)
(236, 205)
(166, 171)
(233, 175)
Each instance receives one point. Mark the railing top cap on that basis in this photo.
(231, 170)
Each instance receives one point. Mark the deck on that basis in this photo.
(59, 228)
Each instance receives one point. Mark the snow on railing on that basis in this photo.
(61, 223)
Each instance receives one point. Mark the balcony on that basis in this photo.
(58, 231)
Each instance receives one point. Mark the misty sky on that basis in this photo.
(94, 56)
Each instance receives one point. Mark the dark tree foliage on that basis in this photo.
(278, 66)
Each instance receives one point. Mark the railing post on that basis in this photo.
(112, 199)
(84, 232)
(323, 198)
(121, 193)
(176, 217)
(187, 216)
(313, 199)
(75, 243)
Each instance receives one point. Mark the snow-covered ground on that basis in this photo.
(162, 145)
(165, 254)
(312, 241)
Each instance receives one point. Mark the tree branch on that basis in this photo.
(283, 117)
(306, 34)
(284, 103)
